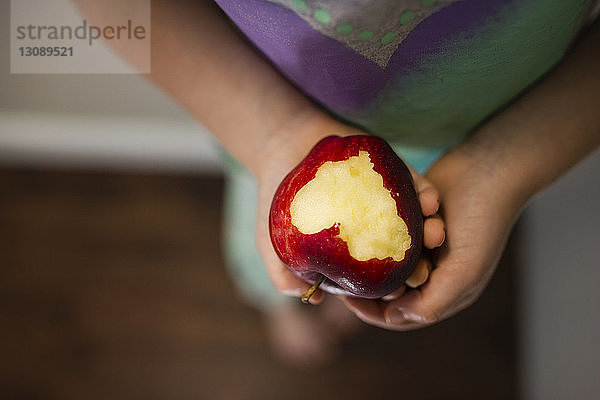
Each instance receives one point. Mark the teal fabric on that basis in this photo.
(242, 258)
(441, 100)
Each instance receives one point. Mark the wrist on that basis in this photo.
(498, 168)
(289, 140)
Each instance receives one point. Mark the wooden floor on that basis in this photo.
(112, 286)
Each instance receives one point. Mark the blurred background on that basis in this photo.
(112, 282)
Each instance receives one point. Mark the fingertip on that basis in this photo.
(404, 307)
(395, 294)
(359, 306)
(394, 316)
(292, 292)
(317, 298)
(299, 289)
(368, 311)
(434, 232)
(349, 301)
(420, 274)
(430, 201)
(420, 307)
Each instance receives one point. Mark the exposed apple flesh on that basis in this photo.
(351, 194)
(349, 212)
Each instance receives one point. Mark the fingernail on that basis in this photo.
(395, 316)
(292, 292)
(316, 299)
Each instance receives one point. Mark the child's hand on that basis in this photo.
(274, 170)
(478, 213)
(283, 279)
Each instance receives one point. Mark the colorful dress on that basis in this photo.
(423, 74)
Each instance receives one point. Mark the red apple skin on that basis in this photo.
(324, 252)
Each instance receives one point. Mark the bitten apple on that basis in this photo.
(348, 218)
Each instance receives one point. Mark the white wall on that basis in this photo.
(95, 121)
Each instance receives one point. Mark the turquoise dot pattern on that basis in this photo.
(406, 17)
(387, 38)
(344, 29)
(300, 4)
(365, 35)
(322, 16)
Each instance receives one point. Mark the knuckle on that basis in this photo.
(432, 317)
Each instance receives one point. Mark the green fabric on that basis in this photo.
(242, 258)
(441, 101)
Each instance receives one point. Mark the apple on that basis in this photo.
(348, 218)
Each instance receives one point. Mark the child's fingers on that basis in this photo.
(429, 197)
(420, 274)
(434, 232)
(373, 312)
(443, 295)
(289, 284)
(368, 311)
(282, 278)
(430, 201)
(394, 295)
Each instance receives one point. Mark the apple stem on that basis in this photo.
(306, 296)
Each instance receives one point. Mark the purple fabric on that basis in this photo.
(334, 75)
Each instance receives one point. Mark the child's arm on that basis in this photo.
(203, 63)
(256, 114)
(485, 183)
